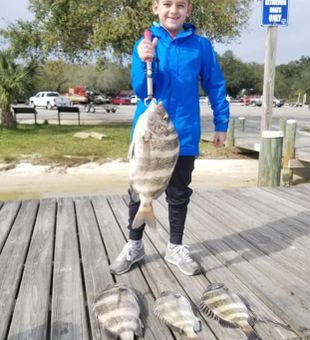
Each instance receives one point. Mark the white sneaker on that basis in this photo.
(130, 254)
(179, 256)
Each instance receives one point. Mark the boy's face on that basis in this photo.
(172, 13)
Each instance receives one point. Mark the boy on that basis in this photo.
(180, 59)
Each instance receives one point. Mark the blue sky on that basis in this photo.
(293, 41)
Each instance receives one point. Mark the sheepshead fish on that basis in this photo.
(230, 309)
(153, 153)
(117, 309)
(175, 311)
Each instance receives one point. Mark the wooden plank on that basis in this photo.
(267, 236)
(195, 235)
(305, 188)
(295, 216)
(262, 278)
(30, 319)
(68, 309)
(303, 154)
(114, 237)
(292, 194)
(257, 237)
(282, 220)
(8, 214)
(95, 264)
(12, 259)
(294, 163)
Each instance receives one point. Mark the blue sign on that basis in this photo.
(274, 12)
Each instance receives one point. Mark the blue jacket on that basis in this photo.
(178, 66)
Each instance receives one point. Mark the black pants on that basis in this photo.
(177, 196)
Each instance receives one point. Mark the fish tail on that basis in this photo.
(250, 333)
(144, 215)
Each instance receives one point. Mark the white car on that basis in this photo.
(49, 100)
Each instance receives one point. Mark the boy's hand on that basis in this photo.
(219, 139)
(146, 49)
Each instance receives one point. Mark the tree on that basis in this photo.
(14, 81)
(241, 75)
(57, 75)
(25, 39)
(76, 29)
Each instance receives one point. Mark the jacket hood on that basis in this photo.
(160, 31)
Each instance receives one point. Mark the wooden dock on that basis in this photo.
(55, 253)
(250, 138)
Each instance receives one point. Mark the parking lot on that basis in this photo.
(124, 114)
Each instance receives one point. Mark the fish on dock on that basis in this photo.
(117, 309)
(230, 309)
(153, 154)
(176, 312)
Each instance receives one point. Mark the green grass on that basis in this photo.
(56, 145)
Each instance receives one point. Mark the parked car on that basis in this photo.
(134, 99)
(278, 102)
(120, 100)
(101, 99)
(256, 101)
(49, 100)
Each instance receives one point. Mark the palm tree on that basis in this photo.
(14, 81)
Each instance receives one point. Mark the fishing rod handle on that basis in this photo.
(149, 73)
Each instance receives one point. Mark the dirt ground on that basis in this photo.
(27, 181)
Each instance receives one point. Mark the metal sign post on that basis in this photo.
(274, 14)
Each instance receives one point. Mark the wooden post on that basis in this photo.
(282, 125)
(230, 141)
(270, 159)
(269, 76)
(288, 150)
(241, 124)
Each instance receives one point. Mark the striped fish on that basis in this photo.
(117, 310)
(228, 308)
(153, 154)
(175, 311)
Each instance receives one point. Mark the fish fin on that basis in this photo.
(147, 136)
(245, 301)
(208, 311)
(168, 292)
(197, 325)
(252, 315)
(139, 331)
(163, 319)
(226, 323)
(110, 333)
(250, 333)
(131, 151)
(214, 286)
(144, 216)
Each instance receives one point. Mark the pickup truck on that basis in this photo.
(49, 100)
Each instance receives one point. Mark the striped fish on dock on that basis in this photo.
(230, 309)
(117, 309)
